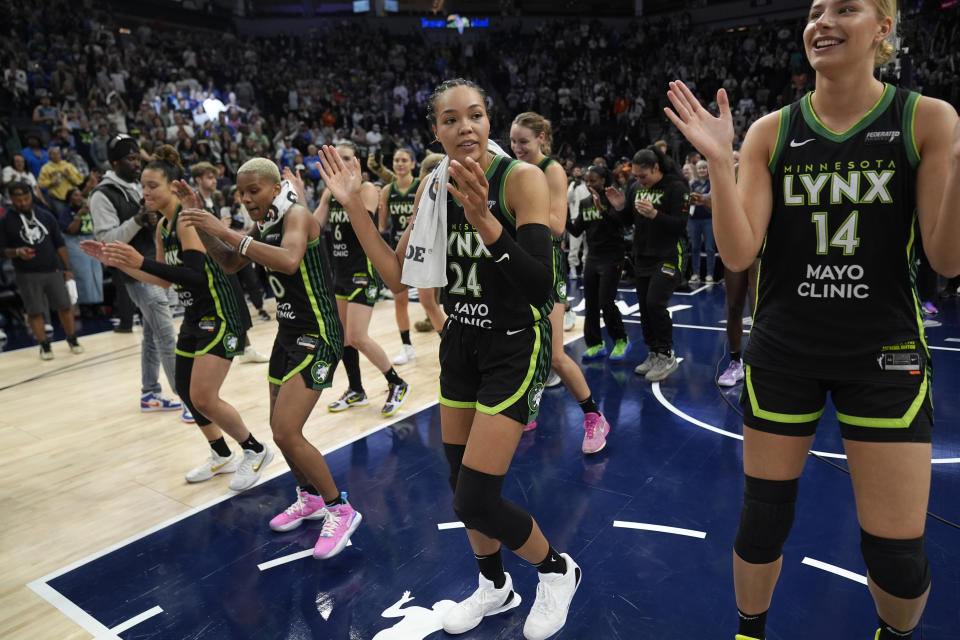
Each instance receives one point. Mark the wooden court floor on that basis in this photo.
(83, 468)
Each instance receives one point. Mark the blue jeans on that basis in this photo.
(88, 271)
(699, 228)
(159, 338)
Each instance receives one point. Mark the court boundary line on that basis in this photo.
(94, 627)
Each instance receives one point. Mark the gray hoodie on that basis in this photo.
(106, 222)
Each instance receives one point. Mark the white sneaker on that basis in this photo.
(554, 594)
(645, 366)
(695, 278)
(709, 280)
(553, 379)
(212, 466)
(485, 601)
(569, 319)
(406, 355)
(249, 470)
(252, 356)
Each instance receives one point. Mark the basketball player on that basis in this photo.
(837, 311)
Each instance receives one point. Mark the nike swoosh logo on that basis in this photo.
(513, 332)
(794, 143)
(505, 256)
(221, 466)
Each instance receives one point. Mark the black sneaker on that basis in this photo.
(74, 345)
(46, 353)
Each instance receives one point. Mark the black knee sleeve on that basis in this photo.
(899, 567)
(478, 504)
(181, 375)
(766, 519)
(454, 453)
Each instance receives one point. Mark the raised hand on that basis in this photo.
(200, 219)
(120, 254)
(713, 137)
(615, 197)
(294, 179)
(344, 180)
(189, 198)
(471, 190)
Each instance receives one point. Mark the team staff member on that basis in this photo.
(834, 261)
(494, 352)
(530, 138)
(357, 287)
(210, 333)
(309, 335)
(605, 253)
(395, 212)
(657, 205)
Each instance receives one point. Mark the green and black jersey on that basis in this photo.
(559, 272)
(604, 230)
(215, 299)
(836, 294)
(400, 208)
(478, 293)
(348, 255)
(658, 240)
(305, 302)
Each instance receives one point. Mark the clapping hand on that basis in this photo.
(615, 197)
(471, 189)
(120, 254)
(200, 219)
(189, 198)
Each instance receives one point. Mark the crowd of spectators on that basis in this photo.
(73, 78)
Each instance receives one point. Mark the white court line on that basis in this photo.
(443, 526)
(95, 628)
(849, 575)
(276, 562)
(678, 307)
(65, 606)
(658, 394)
(945, 348)
(660, 528)
(135, 620)
(627, 309)
(952, 339)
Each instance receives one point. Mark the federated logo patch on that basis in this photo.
(562, 289)
(534, 396)
(319, 371)
(372, 292)
(230, 342)
(881, 137)
(307, 342)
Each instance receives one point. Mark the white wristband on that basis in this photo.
(244, 245)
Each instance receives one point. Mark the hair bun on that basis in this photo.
(166, 153)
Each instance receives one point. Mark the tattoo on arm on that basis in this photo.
(221, 251)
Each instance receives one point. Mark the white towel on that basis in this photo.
(286, 199)
(425, 264)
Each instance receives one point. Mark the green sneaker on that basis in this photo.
(620, 349)
(596, 351)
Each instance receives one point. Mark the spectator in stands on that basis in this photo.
(17, 171)
(35, 155)
(31, 237)
(77, 225)
(58, 177)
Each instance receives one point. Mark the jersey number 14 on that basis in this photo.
(845, 238)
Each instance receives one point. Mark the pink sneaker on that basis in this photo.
(341, 522)
(595, 428)
(732, 375)
(530, 426)
(306, 507)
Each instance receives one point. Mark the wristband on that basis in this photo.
(244, 245)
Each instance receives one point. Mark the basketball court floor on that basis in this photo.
(650, 520)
